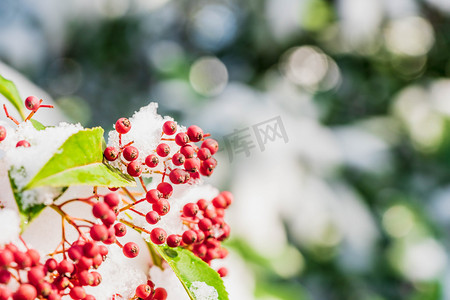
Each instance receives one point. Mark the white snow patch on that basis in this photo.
(202, 291)
(168, 280)
(10, 225)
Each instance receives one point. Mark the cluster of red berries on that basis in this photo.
(189, 162)
(51, 280)
(149, 292)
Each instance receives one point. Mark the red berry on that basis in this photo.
(160, 294)
(143, 291)
(177, 176)
(200, 236)
(35, 275)
(22, 260)
(91, 249)
(6, 258)
(112, 199)
(5, 293)
(66, 266)
(84, 263)
(100, 210)
(151, 161)
(205, 224)
(228, 196)
(130, 153)
(205, 171)
(173, 240)
(219, 221)
(189, 237)
(162, 207)
(181, 139)
(153, 196)
(5, 276)
(158, 236)
(219, 201)
(220, 212)
(163, 150)
(51, 264)
(113, 189)
(204, 154)
(54, 296)
(77, 293)
(110, 218)
(99, 232)
(89, 297)
(25, 292)
(169, 127)
(32, 103)
(222, 272)
(85, 278)
(195, 133)
(2, 133)
(152, 217)
(178, 159)
(111, 153)
(120, 229)
(165, 188)
(226, 232)
(61, 283)
(75, 252)
(209, 213)
(123, 125)
(210, 163)
(97, 261)
(200, 250)
(34, 256)
(192, 164)
(103, 250)
(130, 250)
(22, 143)
(211, 145)
(212, 243)
(134, 168)
(190, 210)
(188, 151)
(202, 204)
(44, 289)
(97, 278)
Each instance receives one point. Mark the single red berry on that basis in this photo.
(100, 210)
(2, 133)
(99, 232)
(158, 236)
(204, 154)
(5, 293)
(178, 159)
(162, 207)
(195, 133)
(112, 199)
(113, 189)
(111, 153)
(192, 164)
(153, 195)
(222, 253)
(200, 250)
(54, 296)
(97, 261)
(205, 171)
(188, 151)
(25, 292)
(6, 258)
(200, 236)
(190, 209)
(84, 263)
(165, 188)
(61, 283)
(123, 125)
(44, 289)
(205, 224)
(22, 260)
(228, 197)
(134, 168)
(143, 291)
(77, 293)
(85, 278)
(219, 221)
(173, 240)
(110, 218)
(23, 143)
(120, 229)
(32, 103)
(51, 264)
(181, 139)
(160, 294)
(169, 127)
(103, 250)
(130, 153)
(11, 247)
(163, 150)
(189, 237)
(152, 217)
(226, 232)
(210, 213)
(65, 266)
(211, 145)
(202, 204)
(151, 160)
(212, 243)
(177, 176)
(219, 202)
(34, 256)
(220, 212)
(222, 272)
(97, 278)
(35, 275)
(5, 276)
(91, 249)
(130, 250)
(75, 252)
(89, 297)
(210, 163)
(111, 236)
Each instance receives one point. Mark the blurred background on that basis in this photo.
(333, 119)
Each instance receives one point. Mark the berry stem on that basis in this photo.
(131, 205)
(142, 183)
(134, 226)
(137, 212)
(23, 242)
(129, 194)
(8, 116)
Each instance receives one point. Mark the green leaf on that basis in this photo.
(37, 125)
(9, 90)
(79, 161)
(189, 268)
